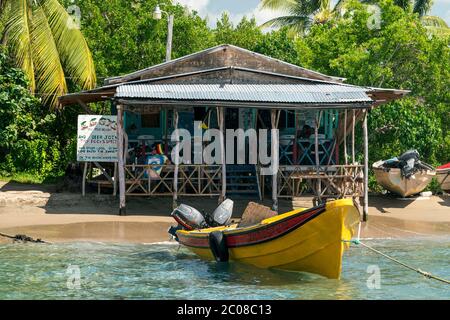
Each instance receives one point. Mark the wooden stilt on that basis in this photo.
(166, 132)
(353, 137)
(274, 154)
(221, 117)
(177, 161)
(295, 146)
(316, 149)
(121, 163)
(115, 180)
(345, 138)
(366, 168)
(83, 184)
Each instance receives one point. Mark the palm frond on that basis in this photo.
(49, 72)
(17, 36)
(341, 4)
(278, 4)
(422, 7)
(433, 21)
(295, 23)
(436, 26)
(72, 46)
(404, 4)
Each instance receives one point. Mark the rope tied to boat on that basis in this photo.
(424, 273)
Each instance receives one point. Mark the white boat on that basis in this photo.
(392, 179)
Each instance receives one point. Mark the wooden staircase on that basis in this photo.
(243, 182)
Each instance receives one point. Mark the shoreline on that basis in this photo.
(69, 217)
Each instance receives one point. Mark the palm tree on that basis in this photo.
(417, 6)
(301, 14)
(436, 26)
(47, 47)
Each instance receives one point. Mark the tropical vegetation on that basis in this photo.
(48, 46)
(300, 15)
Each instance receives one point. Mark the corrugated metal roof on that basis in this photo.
(282, 93)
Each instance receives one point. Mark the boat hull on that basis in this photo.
(443, 177)
(392, 180)
(300, 240)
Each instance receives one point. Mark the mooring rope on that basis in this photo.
(22, 237)
(424, 273)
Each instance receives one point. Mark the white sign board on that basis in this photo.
(97, 138)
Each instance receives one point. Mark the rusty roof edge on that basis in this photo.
(287, 63)
(395, 91)
(138, 72)
(212, 49)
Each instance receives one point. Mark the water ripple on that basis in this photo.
(166, 271)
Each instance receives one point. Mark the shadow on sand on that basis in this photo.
(388, 201)
(54, 201)
(445, 200)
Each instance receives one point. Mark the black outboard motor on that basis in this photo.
(189, 218)
(222, 215)
(408, 162)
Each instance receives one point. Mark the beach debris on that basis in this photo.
(22, 238)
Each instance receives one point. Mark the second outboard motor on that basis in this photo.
(189, 217)
(222, 215)
(408, 161)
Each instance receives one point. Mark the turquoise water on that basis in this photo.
(166, 271)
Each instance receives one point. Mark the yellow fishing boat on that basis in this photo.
(307, 240)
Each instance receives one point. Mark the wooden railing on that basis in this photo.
(334, 181)
(193, 180)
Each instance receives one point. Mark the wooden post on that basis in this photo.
(353, 137)
(166, 132)
(366, 168)
(316, 149)
(176, 160)
(221, 118)
(83, 184)
(295, 146)
(121, 164)
(115, 180)
(274, 155)
(345, 137)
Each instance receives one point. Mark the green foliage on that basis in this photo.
(26, 128)
(400, 54)
(124, 37)
(402, 125)
(246, 34)
(46, 47)
(282, 45)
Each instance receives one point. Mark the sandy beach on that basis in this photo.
(41, 212)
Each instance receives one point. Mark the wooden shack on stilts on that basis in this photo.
(227, 87)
